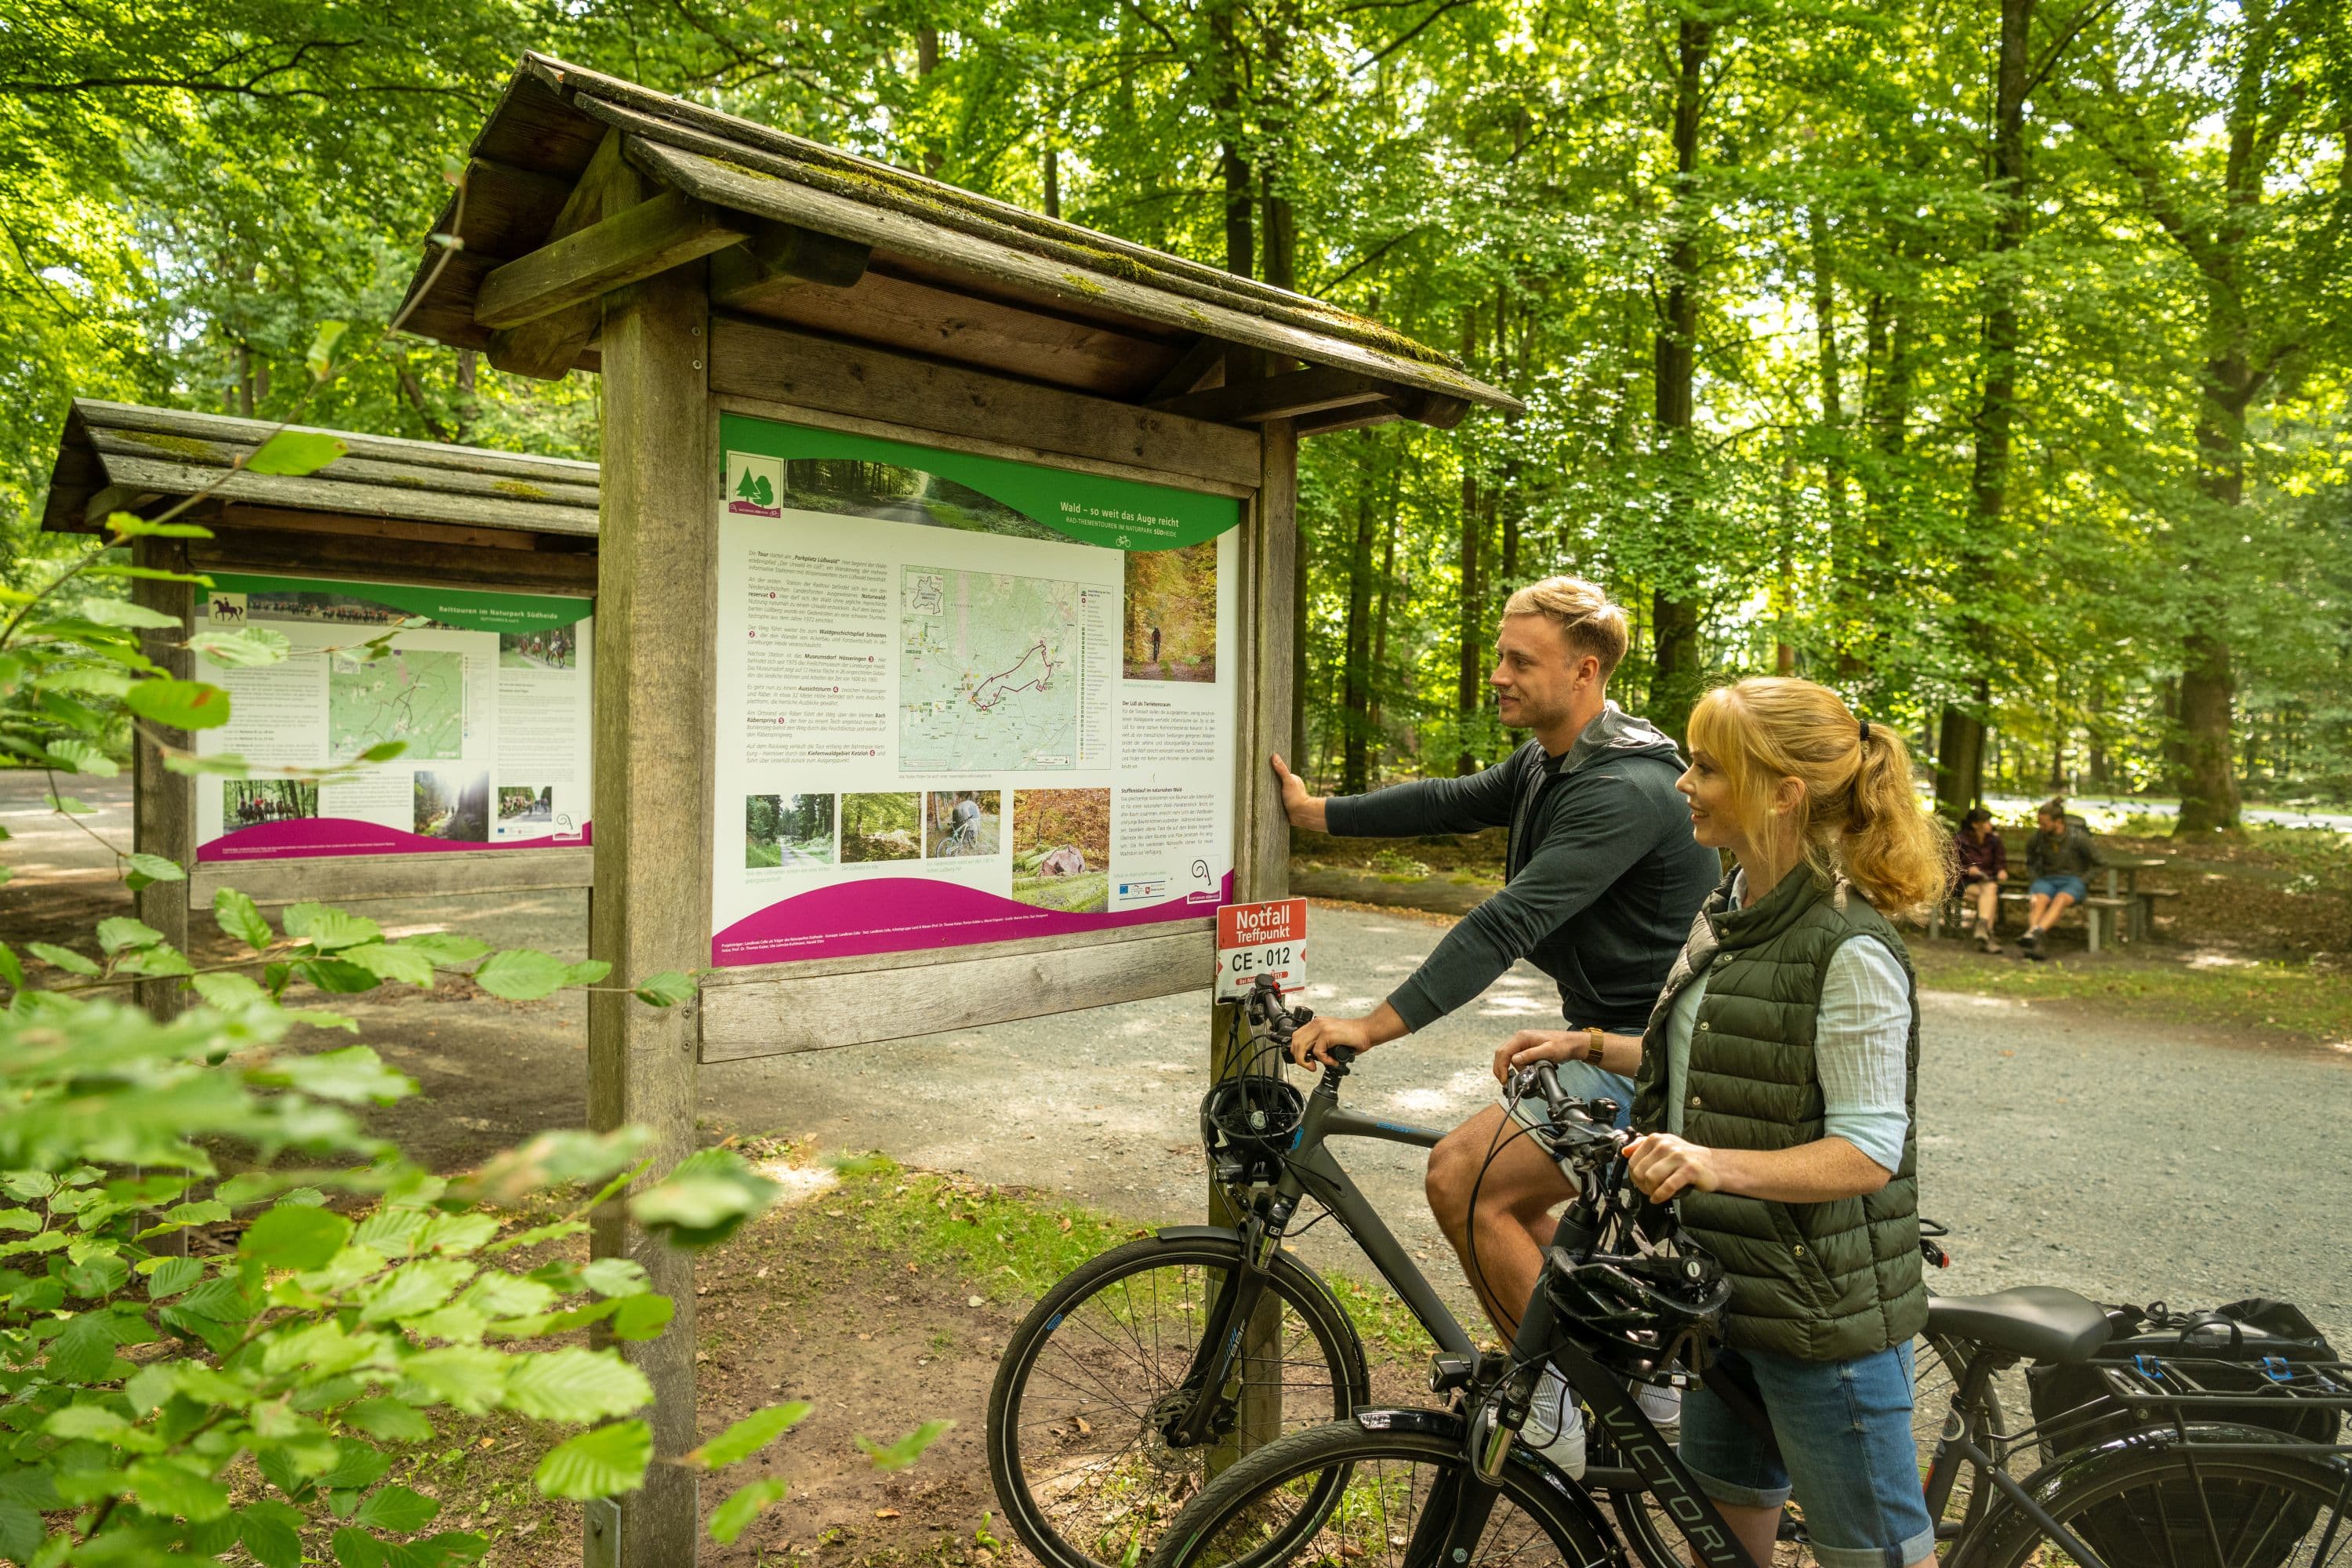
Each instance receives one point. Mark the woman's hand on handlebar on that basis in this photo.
(1663, 1165)
(1317, 1038)
(1530, 1046)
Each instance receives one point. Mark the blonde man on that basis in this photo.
(1602, 877)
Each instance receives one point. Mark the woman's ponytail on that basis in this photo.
(1893, 850)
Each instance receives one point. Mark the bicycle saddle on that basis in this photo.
(2039, 1322)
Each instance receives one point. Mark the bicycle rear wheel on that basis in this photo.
(1081, 1466)
(1342, 1497)
(2217, 1501)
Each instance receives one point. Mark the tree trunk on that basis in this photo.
(1675, 679)
(1473, 653)
(1357, 694)
(1959, 781)
(1381, 623)
(927, 60)
(1051, 174)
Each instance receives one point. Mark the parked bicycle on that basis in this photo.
(2176, 1463)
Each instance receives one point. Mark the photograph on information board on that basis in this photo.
(1015, 680)
(485, 694)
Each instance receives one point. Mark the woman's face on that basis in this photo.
(1709, 792)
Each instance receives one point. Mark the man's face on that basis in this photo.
(1536, 677)
(2050, 823)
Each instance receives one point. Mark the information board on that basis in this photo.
(962, 698)
(488, 697)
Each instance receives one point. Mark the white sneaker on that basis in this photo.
(1663, 1406)
(1555, 1426)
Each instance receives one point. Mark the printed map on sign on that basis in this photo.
(988, 673)
(409, 695)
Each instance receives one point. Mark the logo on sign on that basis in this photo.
(754, 485)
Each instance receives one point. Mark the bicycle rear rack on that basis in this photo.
(2181, 1389)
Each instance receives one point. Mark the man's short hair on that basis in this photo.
(1581, 612)
(2053, 809)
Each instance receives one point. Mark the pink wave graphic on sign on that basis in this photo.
(311, 836)
(901, 914)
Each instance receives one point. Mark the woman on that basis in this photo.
(1984, 867)
(1774, 1093)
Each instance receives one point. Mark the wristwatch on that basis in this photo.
(1594, 1035)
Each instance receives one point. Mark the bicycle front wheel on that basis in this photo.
(1341, 1497)
(2217, 1501)
(1076, 1446)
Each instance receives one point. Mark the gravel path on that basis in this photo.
(2127, 1161)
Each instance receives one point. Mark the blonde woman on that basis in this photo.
(1775, 1086)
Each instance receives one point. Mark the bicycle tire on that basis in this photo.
(2168, 1498)
(1345, 1472)
(1936, 1365)
(1075, 1505)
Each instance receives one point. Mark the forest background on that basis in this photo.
(1987, 360)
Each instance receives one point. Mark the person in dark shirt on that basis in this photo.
(1984, 867)
(2058, 856)
(1603, 880)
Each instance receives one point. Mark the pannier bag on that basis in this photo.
(2074, 1408)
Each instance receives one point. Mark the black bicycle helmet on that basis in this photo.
(1642, 1317)
(1256, 1113)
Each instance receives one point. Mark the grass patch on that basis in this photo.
(2299, 999)
(1013, 1247)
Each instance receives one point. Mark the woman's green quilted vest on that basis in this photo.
(1825, 1282)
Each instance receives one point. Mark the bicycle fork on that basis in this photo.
(1199, 1413)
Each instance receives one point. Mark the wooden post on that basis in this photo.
(163, 804)
(649, 910)
(1261, 834)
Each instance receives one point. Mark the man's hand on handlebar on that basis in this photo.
(1317, 1037)
(1303, 810)
(1529, 1046)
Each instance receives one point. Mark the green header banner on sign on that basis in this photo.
(466, 608)
(771, 467)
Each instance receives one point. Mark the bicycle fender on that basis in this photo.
(1447, 1427)
(1198, 1233)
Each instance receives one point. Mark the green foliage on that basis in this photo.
(364, 1293)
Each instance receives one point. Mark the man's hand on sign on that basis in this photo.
(1303, 810)
(1320, 1035)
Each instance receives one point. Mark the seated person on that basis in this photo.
(1984, 865)
(2057, 857)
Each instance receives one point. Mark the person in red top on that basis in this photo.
(1984, 865)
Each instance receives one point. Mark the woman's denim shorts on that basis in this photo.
(1841, 1443)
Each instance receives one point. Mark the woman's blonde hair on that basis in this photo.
(1861, 820)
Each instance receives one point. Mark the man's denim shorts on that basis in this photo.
(2074, 888)
(1841, 1443)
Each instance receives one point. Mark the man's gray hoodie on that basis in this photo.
(1603, 874)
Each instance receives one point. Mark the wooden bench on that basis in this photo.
(2098, 911)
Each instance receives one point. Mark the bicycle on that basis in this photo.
(1128, 1378)
(1449, 1488)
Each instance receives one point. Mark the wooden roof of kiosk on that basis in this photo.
(812, 238)
(387, 507)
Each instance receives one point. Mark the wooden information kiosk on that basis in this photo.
(893, 733)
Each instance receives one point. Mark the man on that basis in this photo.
(1983, 861)
(1603, 881)
(2058, 856)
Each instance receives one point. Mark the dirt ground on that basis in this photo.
(886, 1306)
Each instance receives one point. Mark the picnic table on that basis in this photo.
(2139, 905)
